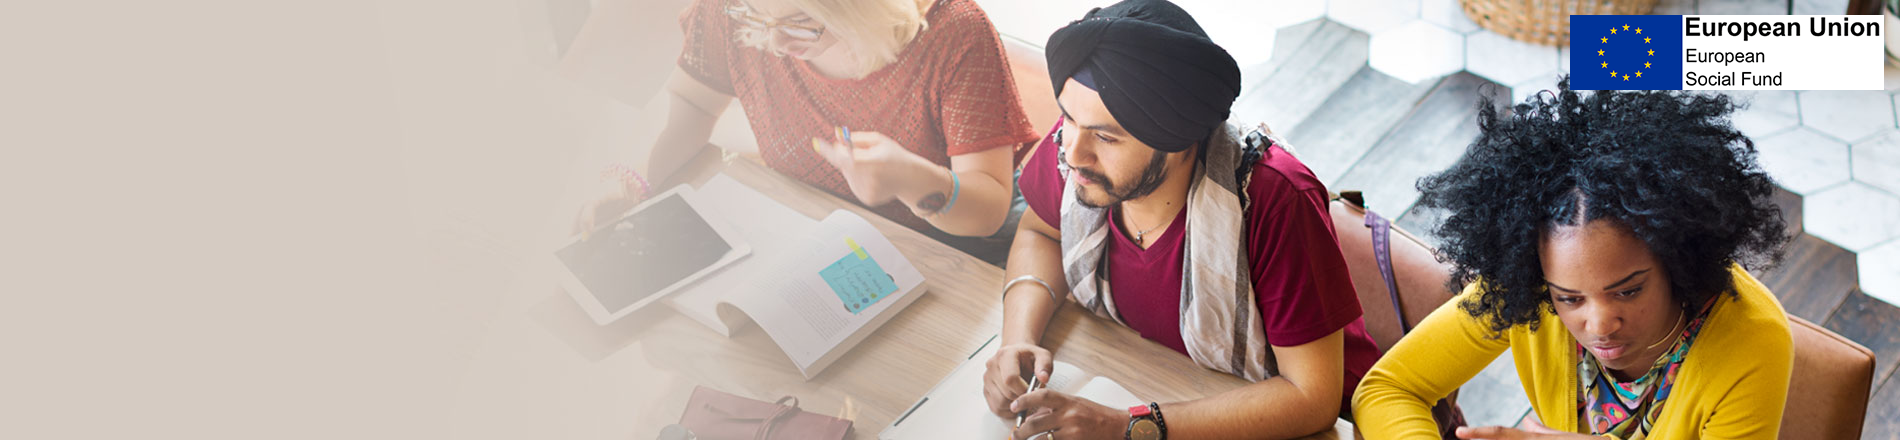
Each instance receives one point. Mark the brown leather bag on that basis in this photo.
(714, 415)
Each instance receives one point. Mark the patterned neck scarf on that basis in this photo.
(1609, 407)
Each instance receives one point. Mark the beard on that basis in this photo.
(1151, 178)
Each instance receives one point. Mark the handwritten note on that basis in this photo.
(857, 279)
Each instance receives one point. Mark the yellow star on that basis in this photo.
(1645, 65)
(1626, 27)
(1612, 74)
(1606, 39)
(1652, 52)
(1599, 52)
(1645, 39)
(1626, 77)
(1606, 65)
(1612, 31)
(1639, 30)
(1639, 74)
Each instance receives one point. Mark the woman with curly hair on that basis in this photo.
(1602, 240)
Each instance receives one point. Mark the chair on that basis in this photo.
(1419, 275)
(1038, 97)
(1827, 394)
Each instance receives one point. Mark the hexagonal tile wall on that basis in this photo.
(1854, 216)
(1803, 160)
(1767, 112)
(1236, 26)
(1880, 271)
(1877, 162)
(1371, 16)
(1417, 51)
(1537, 84)
(1448, 14)
(1283, 13)
(1507, 61)
(1848, 115)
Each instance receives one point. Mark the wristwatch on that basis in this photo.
(1144, 423)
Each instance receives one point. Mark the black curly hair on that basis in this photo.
(1667, 165)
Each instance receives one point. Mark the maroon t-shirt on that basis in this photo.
(1299, 277)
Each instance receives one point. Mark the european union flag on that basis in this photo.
(1626, 52)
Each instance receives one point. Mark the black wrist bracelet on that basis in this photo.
(1159, 422)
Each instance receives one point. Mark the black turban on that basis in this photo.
(1158, 73)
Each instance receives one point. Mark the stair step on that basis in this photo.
(1310, 73)
(1431, 138)
(1353, 119)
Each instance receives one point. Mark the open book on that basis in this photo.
(817, 288)
(956, 408)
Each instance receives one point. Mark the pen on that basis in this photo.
(1020, 415)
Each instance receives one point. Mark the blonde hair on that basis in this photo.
(875, 30)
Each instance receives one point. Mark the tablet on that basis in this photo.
(661, 246)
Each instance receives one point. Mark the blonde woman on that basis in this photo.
(904, 105)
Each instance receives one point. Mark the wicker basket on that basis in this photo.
(1545, 21)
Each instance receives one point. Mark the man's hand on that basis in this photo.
(1068, 417)
(1003, 376)
(1503, 433)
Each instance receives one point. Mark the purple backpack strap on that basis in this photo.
(1382, 251)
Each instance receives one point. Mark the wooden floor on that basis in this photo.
(1359, 129)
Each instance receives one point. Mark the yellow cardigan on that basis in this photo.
(1732, 386)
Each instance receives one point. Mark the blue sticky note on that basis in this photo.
(858, 280)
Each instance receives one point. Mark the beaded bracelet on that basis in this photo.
(627, 176)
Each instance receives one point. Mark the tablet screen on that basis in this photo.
(638, 256)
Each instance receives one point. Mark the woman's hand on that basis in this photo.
(1003, 378)
(877, 169)
(611, 199)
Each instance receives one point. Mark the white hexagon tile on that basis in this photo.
(1417, 51)
(1766, 112)
(1803, 161)
(1448, 14)
(1283, 13)
(1537, 84)
(1880, 271)
(1371, 16)
(1854, 216)
(1236, 26)
(1507, 61)
(1877, 162)
(1563, 59)
(1848, 115)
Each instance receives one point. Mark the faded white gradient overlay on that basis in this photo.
(277, 219)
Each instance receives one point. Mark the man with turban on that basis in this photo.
(1150, 210)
